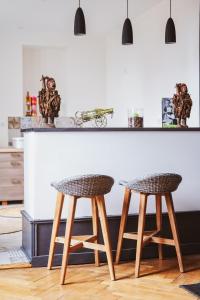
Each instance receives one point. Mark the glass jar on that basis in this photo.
(135, 118)
(138, 118)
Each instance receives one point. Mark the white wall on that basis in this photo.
(142, 74)
(10, 83)
(11, 75)
(86, 69)
(80, 78)
(47, 61)
(79, 71)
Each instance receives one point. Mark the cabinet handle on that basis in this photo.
(16, 181)
(15, 163)
(18, 155)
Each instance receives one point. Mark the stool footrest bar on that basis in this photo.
(94, 246)
(150, 238)
(82, 241)
(75, 239)
(164, 241)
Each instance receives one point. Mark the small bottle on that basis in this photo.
(28, 105)
(34, 107)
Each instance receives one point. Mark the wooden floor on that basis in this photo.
(90, 282)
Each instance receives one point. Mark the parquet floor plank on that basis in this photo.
(160, 280)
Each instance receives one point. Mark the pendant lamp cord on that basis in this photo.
(170, 8)
(79, 3)
(127, 8)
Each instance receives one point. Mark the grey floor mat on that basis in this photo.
(192, 288)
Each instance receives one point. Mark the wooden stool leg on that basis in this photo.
(56, 223)
(95, 229)
(159, 222)
(141, 225)
(68, 234)
(106, 235)
(124, 216)
(172, 219)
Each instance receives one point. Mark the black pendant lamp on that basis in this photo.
(170, 31)
(127, 33)
(79, 23)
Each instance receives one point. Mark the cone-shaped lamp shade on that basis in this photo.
(79, 23)
(170, 32)
(127, 34)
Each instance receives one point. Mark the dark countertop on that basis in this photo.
(109, 129)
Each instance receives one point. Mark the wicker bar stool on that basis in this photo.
(158, 185)
(87, 186)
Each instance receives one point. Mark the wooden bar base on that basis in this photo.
(143, 238)
(73, 243)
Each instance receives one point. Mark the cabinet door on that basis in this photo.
(11, 193)
(15, 156)
(11, 176)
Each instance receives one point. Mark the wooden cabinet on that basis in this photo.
(11, 175)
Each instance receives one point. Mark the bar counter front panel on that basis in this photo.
(54, 154)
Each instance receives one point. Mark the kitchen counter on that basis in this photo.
(124, 154)
(11, 150)
(108, 129)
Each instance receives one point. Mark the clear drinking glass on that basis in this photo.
(130, 118)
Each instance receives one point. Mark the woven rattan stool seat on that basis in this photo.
(155, 184)
(85, 185)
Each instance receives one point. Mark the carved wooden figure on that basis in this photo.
(49, 100)
(182, 104)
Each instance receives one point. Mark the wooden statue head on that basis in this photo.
(51, 84)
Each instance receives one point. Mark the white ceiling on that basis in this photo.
(57, 15)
